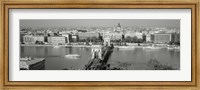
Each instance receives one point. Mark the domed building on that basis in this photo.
(118, 28)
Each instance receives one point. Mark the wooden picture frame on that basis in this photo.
(4, 61)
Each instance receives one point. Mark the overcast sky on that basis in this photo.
(99, 22)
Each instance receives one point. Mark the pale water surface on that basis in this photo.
(135, 59)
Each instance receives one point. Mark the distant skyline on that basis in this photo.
(99, 22)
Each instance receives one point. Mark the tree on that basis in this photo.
(128, 39)
(36, 42)
(123, 37)
(100, 38)
(143, 37)
(134, 39)
(88, 39)
(170, 42)
(139, 40)
(94, 39)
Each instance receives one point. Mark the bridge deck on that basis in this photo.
(98, 64)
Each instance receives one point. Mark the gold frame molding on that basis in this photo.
(6, 5)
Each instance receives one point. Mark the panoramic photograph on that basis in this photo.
(99, 44)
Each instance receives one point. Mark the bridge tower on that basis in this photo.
(106, 41)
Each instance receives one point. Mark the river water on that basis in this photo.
(132, 59)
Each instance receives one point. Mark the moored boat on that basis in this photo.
(56, 46)
(173, 48)
(151, 48)
(126, 47)
(72, 56)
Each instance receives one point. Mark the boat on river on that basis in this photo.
(151, 48)
(173, 48)
(72, 56)
(56, 46)
(126, 47)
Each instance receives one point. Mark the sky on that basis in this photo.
(99, 22)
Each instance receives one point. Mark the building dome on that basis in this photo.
(118, 25)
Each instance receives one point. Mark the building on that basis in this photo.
(134, 34)
(38, 38)
(74, 38)
(129, 34)
(176, 37)
(22, 34)
(67, 37)
(28, 39)
(161, 38)
(116, 36)
(119, 28)
(82, 36)
(56, 40)
(138, 35)
(84, 31)
(148, 38)
(32, 63)
(113, 36)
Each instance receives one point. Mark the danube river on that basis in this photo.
(131, 59)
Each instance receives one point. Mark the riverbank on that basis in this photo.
(130, 46)
(48, 45)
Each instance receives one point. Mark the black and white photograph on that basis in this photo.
(99, 44)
